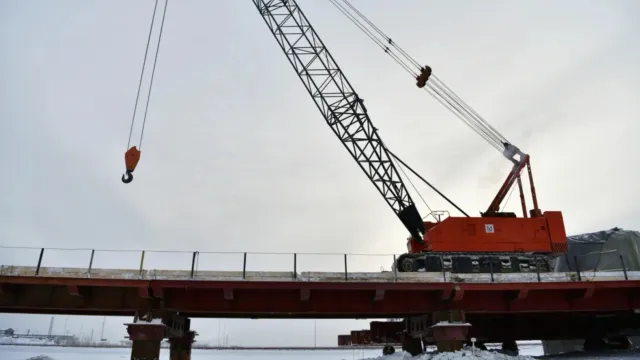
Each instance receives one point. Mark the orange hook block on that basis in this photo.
(425, 73)
(131, 158)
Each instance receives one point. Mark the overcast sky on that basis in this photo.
(236, 157)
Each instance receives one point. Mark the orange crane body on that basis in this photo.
(544, 234)
(495, 241)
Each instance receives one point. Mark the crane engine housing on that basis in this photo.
(503, 243)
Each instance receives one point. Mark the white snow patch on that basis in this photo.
(144, 322)
(376, 277)
(446, 323)
(465, 354)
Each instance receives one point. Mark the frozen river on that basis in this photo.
(59, 353)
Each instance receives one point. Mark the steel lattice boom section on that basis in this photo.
(340, 105)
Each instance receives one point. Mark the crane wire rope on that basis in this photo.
(435, 87)
(408, 69)
(153, 72)
(132, 155)
(144, 62)
(414, 188)
(488, 130)
(506, 201)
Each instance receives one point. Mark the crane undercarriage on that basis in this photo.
(490, 262)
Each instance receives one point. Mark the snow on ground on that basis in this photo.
(465, 354)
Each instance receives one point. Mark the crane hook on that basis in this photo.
(131, 158)
(127, 177)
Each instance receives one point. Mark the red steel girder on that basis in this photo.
(49, 280)
(309, 299)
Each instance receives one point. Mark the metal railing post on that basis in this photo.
(575, 259)
(346, 276)
(141, 264)
(624, 267)
(295, 265)
(395, 269)
(244, 266)
(93, 252)
(537, 268)
(39, 262)
(566, 258)
(193, 264)
(491, 269)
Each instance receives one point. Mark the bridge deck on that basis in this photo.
(288, 276)
(310, 294)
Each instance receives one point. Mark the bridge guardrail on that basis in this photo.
(185, 265)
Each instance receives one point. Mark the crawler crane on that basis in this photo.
(495, 241)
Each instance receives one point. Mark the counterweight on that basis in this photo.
(340, 105)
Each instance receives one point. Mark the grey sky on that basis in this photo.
(236, 156)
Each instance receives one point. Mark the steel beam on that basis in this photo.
(294, 299)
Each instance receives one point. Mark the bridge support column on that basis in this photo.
(450, 330)
(510, 347)
(146, 338)
(180, 347)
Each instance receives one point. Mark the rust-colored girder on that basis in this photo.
(292, 299)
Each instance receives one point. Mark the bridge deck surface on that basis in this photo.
(311, 294)
(288, 276)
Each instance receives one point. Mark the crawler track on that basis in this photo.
(474, 262)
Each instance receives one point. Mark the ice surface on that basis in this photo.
(72, 353)
(466, 354)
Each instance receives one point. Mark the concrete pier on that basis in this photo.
(146, 339)
(149, 330)
(180, 347)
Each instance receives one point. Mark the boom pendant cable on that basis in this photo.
(423, 75)
(132, 155)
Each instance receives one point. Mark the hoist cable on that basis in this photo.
(506, 201)
(414, 188)
(153, 72)
(460, 112)
(448, 104)
(495, 136)
(371, 36)
(441, 92)
(469, 109)
(426, 182)
(132, 155)
(379, 31)
(144, 62)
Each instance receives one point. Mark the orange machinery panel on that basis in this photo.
(545, 234)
